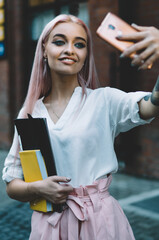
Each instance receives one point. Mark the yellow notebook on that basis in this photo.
(34, 169)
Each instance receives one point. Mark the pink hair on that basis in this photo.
(40, 80)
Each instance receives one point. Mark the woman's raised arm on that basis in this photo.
(149, 105)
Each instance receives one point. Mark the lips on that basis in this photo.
(68, 59)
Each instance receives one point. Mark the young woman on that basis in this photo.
(83, 122)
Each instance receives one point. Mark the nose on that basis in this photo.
(69, 50)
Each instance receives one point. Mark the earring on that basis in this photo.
(45, 59)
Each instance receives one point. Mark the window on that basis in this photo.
(39, 21)
(41, 16)
(82, 11)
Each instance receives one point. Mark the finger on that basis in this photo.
(135, 47)
(61, 197)
(57, 198)
(139, 28)
(62, 201)
(66, 189)
(132, 36)
(149, 62)
(59, 201)
(140, 58)
(60, 179)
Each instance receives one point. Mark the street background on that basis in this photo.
(138, 197)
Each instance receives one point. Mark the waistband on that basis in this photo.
(97, 186)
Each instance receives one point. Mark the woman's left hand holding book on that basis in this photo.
(54, 189)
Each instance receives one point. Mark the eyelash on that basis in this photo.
(80, 45)
(61, 43)
(58, 42)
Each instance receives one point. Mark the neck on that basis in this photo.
(62, 88)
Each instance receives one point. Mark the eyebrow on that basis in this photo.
(63, 36)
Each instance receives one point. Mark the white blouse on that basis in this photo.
(83, 138)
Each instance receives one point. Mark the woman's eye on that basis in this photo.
(58, 42)
(80, 45)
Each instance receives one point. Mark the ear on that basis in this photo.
(44, 54)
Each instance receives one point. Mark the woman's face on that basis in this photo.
(66, 48)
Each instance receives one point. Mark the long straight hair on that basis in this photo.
(40, 81)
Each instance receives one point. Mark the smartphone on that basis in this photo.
(111, 27)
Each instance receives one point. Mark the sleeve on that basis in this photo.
(124, 110)
(12, 166)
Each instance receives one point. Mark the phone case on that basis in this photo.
(111, 27)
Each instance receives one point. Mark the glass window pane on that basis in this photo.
(64, 9)
(83, 13)
(39, 21)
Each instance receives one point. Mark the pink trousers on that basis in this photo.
(92, 214)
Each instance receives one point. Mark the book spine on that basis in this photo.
(43, 173)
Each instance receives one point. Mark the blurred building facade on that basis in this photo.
(21, 23)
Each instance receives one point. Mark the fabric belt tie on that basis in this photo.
(78, 205)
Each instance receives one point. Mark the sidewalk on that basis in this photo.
(138, 197)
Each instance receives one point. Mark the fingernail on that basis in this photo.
(134, 24)
(119, 36)
(140, 68)
(149, 66)
(68, 179)
(122, 55)
(135, 56)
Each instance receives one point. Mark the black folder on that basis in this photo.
(34, 134)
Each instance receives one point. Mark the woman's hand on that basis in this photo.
(146, 48)
(55, 189)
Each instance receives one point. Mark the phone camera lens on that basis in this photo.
(110, 26)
